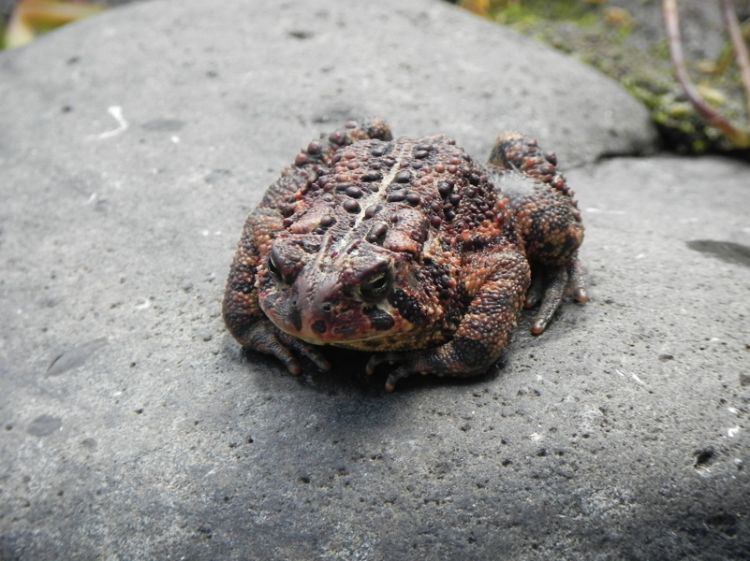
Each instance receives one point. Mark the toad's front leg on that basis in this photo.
(241, 310)
(498, 283)
(242, 314)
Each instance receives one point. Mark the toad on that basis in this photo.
(407, 249)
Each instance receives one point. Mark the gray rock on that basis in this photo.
(620, 433)
(268, 75)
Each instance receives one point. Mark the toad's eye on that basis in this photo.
(280, 268)
(376, 286)
(273, 267)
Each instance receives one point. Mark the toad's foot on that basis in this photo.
(405, 370)
(455, 359)
(566, 279)
(264, 337)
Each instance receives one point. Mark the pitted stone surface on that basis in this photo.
(132, 146)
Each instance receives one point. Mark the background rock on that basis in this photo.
(133, 428)
(627, 41)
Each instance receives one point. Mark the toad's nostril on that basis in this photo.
(319, 326)
(327, 308)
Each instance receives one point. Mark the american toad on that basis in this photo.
(407, 249)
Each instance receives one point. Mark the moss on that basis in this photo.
(601, 36)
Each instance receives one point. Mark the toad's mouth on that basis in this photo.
(360, 327)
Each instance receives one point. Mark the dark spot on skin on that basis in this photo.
(372, 210)
(471, 352)
(350, 205)
(729, 252)
(379, 319)
(241, 286)
(445, 188)
(396, 196)
(327, 221)
(377, 232)
(353, 192)
(380, 150)
(295, 319)
(403, 177)
(314, 148)
(319, 326)
(455, 198)
(408, 306)
(413, 199)
(419, 154)
(372, 176)
(286, 209)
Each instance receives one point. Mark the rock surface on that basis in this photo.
(132, 426)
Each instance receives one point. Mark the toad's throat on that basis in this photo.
(349, 328)
(393, 340)
(346, 336)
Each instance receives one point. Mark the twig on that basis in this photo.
(740, 49)
(737, 136)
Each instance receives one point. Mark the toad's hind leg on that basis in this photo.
(500, 280)
(549, 222)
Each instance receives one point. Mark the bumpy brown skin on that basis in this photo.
(404, 248)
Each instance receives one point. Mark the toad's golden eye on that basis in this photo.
(375, 287)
